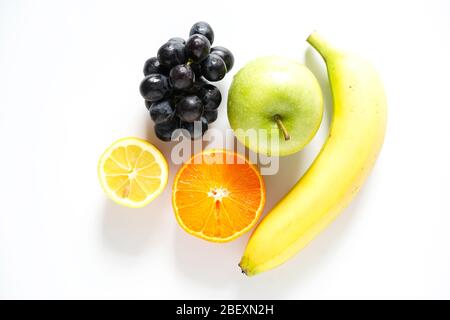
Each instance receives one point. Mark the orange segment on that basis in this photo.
(218, 195)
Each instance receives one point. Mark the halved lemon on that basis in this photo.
(132, 172)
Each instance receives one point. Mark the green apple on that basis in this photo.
(275, 106)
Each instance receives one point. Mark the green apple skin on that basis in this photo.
(268, 87)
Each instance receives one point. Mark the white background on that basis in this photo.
(69, 77)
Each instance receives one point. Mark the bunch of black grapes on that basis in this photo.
(174, 88)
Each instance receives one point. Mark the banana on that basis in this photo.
(356, 137)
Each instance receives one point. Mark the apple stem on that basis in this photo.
(282, 127)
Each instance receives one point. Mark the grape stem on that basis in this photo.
(282, 127)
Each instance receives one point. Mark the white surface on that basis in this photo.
(69, 76)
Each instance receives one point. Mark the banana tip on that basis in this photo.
(244, 269)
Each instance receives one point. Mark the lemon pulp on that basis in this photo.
(132, 172)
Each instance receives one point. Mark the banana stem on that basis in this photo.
(282, 127)
(320, 44)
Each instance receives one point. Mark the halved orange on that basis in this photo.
(218, 195)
